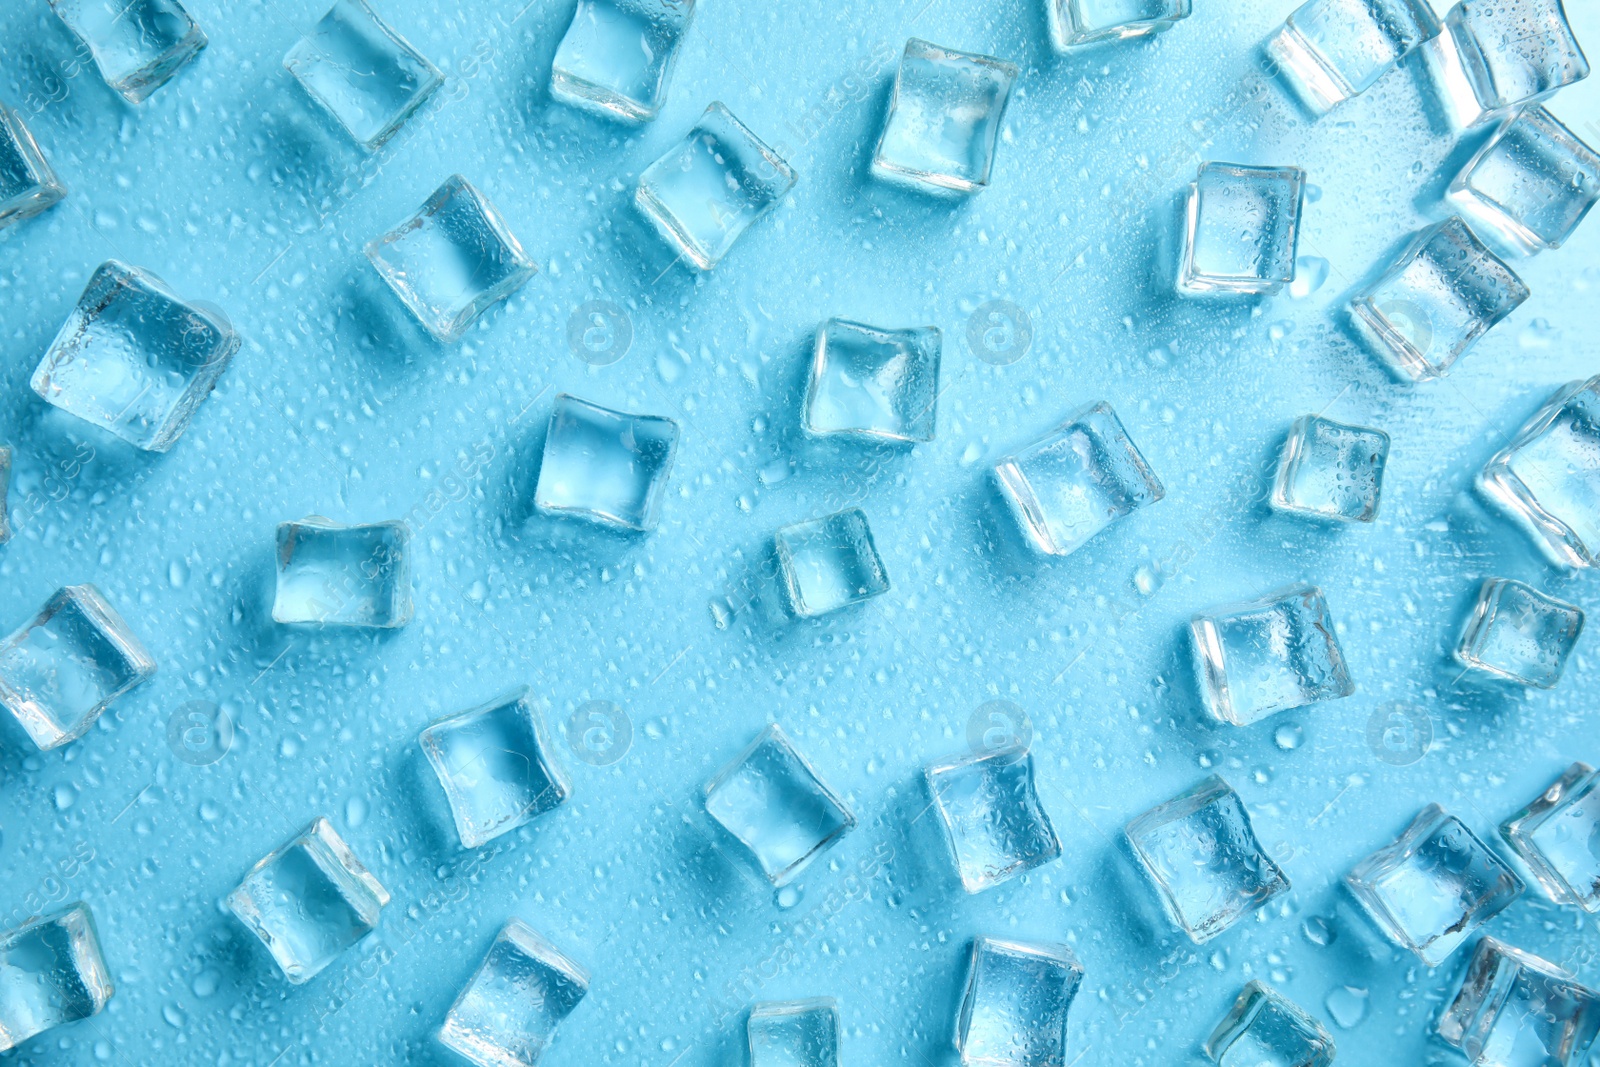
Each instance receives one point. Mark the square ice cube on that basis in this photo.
(1547, 480)
(873, 383)
(1014, 1008)
(794, 1033)
(1241, 229)
(1558, 837)
(1081, 22)
(365, 75)
(711, 187)
(51, 974)
(309, 901)
(508, 1013)
(66, 665)
(605, 466)
(1331, 50)
(944, 120)
(1531, 184)
(452, 260)
(1433, 888)
(28, 185)
(772, 800)
(1328, 470)
(333, 575)
(497, 766)
(617, 56)
(1439, 295)
(1076, 480)
(1509, 53)
(992, 817)
(829, 563)
(136, 359)
(1263, 1028)
(1267, 655)
(1517, 633)
(1513, 1009)
(137, 44)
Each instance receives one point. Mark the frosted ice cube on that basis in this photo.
(67, 664)
(51, 974)
(1328, 470)
(944, 119)
(1082, 22)
(365, 75)
(509, 1011)
(771, 799)
(1432, 889)
(1531, 184)
(1558, 837)
(829, 563)
(605, 466)
(794, 1033)
(1442, 292)
(1202, 854)
(992, 817)
(1267, 655)
(712, 187)
(1514, 1009)
(874, 383)
(1076, 480)
(452, 260)
(1241, 229)
(333, 575)
(617, 56)
(1501, 54)
(136, 359)
(5, 487)
(28, 185)
(137, 44)
(1331, 50)
(1517, 633)
(1547, 480)
(1263, 1029)
(309, 901)
(1014, 1009)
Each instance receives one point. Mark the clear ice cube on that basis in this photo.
(772, 801)
(1331, 50)
(509, 1011)
(605, 466)
(992, 817)
(829, 563)
(794, 1033)
(1531, 184)
(1014, 1008)
(1513, 1009)
(944, 120)
(452, 260)
(1076, 480)
(1547, 480)
(67, 664)
(1503, 54)
(136, 359)
(1328, 470)
(1445, 290)
(617, 56)
(365, 75)
(333, 575)
(1558, 837)
(1201, 853)
(28, 185)
(309, 901)
(874, 383)
(1082, 22)
(137, 44)
(705, 192)
(1264, 1029)
(1517, 633)
(51, 974)
(1241, 229)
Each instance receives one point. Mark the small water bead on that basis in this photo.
(1288, 736)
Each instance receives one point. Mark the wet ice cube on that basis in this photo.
(51, 974)
(1547, 480)
(509, 1011)
(136, 359)
(1443, 292)
(309, 901)
(1514, 1009)
(712, 187)
(365, 75)
(771, 799)
(1331, 50)
(1558, 837)
(1014, 1008)
(28, 185)
(1263, 1029)
(1082, 22)
(1502, 54)
(829, 563)
(1241, 229)
(874, 383)
(794, 1033)
(1517, 633)
(334, 575)
(137, 44)
(1328, 470)
(1531, 184)
(944, 119)
(1267, 655)
(992, 817)
(605, 466)
(617, 56)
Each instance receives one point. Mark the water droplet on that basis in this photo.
(355, 812)
(206, 982)
(66, 796)
(1348, 1006)
(1288, 736)
(174, 1016)
(288, 748)
(209, 810)
(178, 573)
(1318, 931)
(788, 897)
(1310, 272)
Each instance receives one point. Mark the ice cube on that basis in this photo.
(1547, 480)
(1502, 54)
(1081, 22)
(1264, 1029)
(365, 75)
(944, 120)
(1558, 837)
(1531, 184)
(497, 766)
(508, 1013)
(1014, 1009)
(333, 575)
(1442, 292)
(136, 359)
(874, 383)
(1328, 470)
(452, 260)
(1267, 655)
(712, 187)
(51, 974)
(992, 817)
(794, 1033)
(605, 466)
(1513, 1009)
(137, 44)
(28, 185)
(309, 901)
(617, 56)
(771, 799)
(1331, 50)
(66, 665)
(1517, 633)
(1241, 229)
(1433, 888)
(829, 563)
(5, 487)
